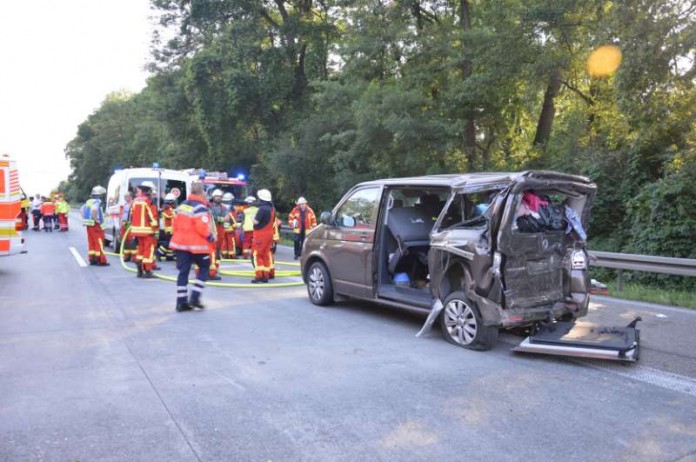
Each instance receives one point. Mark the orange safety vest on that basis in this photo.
(310, 219)
(192, 226)
(48, 208)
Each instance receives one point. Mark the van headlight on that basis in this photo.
(579, 260)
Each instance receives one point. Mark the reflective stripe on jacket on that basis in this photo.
(310, 219)
(192, 226)
(62, 207)
(88, 215)
(168, 219)
(144, 220)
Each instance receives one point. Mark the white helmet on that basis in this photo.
(227, 197)
(147, 184)
(169, 198)
(250, 199)
(265, 195)
(301, 201)
(98, 190)
(216, 193)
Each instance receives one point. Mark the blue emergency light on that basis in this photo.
(155, 165)
(240, 176)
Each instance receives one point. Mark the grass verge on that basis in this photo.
(681, 298)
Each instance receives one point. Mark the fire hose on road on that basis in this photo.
(238, 273)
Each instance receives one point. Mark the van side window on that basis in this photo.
(359, 210)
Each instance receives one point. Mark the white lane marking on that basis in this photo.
(649, 375)
(80, 260)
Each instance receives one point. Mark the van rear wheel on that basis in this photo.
(319, 286)
(462, 325)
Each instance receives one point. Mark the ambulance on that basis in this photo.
(11, 240)
(127, 180)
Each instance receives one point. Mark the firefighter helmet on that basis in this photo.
(98, 190)
(227, 197)
(147, 184)
(265, 195)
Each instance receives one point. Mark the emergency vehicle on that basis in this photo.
(11, 240)
(127, 180)
(220, 180)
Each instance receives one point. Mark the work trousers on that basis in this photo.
(48, 223)
(184, 260)
(299, 242)
(63, 221)
(247, 244)
(229, 249)
(262, 256)
(36, 217)
(95, 244)
(145, 254)
(129, 246)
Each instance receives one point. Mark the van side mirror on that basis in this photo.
(325, 218)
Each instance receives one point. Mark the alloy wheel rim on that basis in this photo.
(316, 283)
(460, 322)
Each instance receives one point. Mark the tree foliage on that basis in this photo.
(311, 96)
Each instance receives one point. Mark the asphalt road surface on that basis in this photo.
(95, 365)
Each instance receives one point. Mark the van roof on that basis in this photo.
(454, 180)
(149, 172)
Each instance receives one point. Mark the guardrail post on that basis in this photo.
(619, 280)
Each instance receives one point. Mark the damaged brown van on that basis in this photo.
(476, 252)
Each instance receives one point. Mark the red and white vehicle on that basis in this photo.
(11, 222)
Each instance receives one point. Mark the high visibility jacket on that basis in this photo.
(295, 216)
(143, 217)
(168, 218)
(192, 226)
(92, 213)
(48, 208)
(62, 206)
(249, 214)
(267, 228)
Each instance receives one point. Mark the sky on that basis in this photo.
(59, 59)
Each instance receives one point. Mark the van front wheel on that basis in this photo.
(462, 325)
(319, 287)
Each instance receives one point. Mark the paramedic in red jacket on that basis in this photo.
(193, 226)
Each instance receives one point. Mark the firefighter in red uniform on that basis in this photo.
(129, 246)
(248, 227)
(229, 249)
(92, 218)
(193, 232)
(144, 221)
(165, 234)
(264, 222)
(301, 219)
(276, 239)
